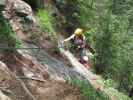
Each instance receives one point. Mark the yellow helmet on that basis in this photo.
(78, 32)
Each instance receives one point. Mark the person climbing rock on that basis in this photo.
(78, 41)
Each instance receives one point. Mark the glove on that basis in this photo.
(79, 46)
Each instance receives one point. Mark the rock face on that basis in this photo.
(4, 74)
(30, 76)
(35, 68)
(18, 12)
(4, 77)
(19, 8)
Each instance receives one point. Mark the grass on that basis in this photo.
(46, 22)
(87, 92)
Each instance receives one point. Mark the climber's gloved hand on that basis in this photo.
(79, 47)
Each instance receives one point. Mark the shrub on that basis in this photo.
(87, 92)
(7, 36)
(46, 22)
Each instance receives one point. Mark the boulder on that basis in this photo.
(23, 9)
(19, 7)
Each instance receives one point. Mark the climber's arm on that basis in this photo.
(69, 38)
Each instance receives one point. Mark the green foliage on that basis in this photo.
(18, 44)
(114, 93)
(6, 35)
(79, 12)
(90, 36)
(46, 22)
(112, 21)
(109, 83)
(113, 45)
(87, 91)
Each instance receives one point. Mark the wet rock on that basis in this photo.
(36, 69)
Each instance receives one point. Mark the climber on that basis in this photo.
(78, 40)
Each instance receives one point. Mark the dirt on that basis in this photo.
(50, 90)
